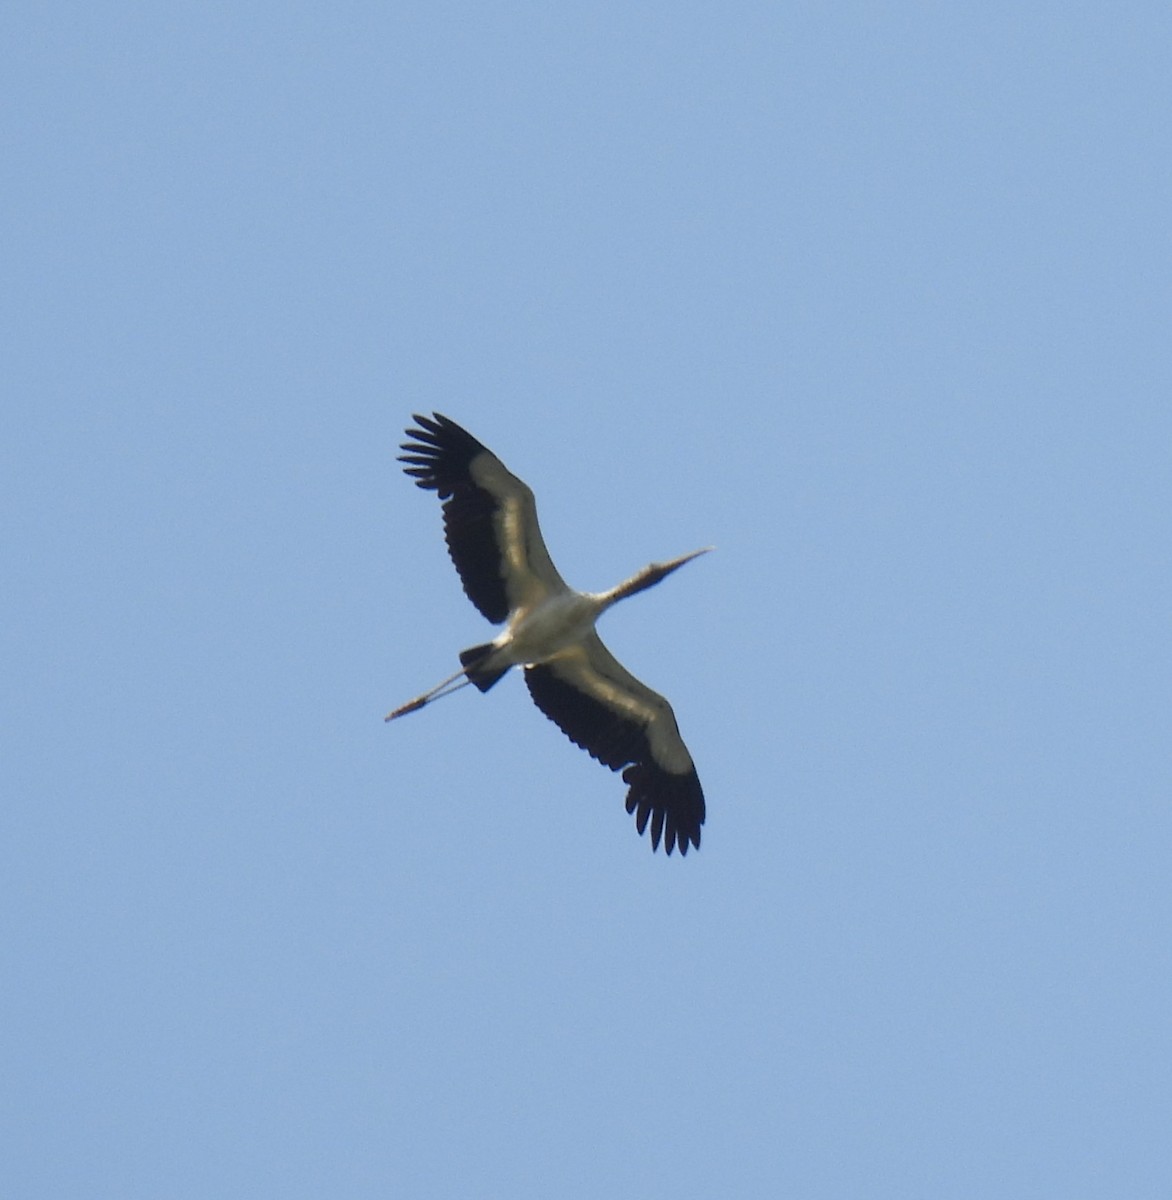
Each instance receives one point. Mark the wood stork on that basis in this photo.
(490, 525)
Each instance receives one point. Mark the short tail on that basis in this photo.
(471, 659)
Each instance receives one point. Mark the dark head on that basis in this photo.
(650, 576)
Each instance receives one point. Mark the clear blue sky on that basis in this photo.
(876, 298)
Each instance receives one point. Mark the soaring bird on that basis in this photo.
(490, 525)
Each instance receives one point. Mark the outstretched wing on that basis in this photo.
(490, 518)
(602, 707)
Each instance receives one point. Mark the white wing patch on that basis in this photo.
(592, 668)
(529, 573)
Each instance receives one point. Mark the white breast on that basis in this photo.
(537, 634)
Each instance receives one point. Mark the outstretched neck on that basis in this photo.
(640, 581)
(648, 577)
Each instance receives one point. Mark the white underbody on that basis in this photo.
(536, 634)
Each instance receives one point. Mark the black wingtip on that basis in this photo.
(672, 804)
(438, 454)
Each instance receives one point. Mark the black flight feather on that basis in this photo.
(440, 458)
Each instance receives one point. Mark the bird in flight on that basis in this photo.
(490, 525)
